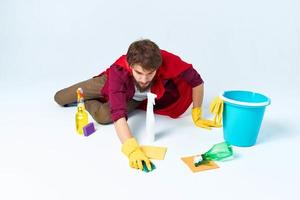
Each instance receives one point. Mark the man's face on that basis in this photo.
(142, 77)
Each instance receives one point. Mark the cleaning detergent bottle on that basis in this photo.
(150, 118)
(217, 152)
(81, 117)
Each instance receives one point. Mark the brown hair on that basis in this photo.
(145, 53)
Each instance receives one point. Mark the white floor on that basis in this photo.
(42, 157)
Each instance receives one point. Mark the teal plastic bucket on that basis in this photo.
(242, 116)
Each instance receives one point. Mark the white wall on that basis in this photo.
(234, 44)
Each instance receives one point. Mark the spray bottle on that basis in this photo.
(218, 152)
(150, 119)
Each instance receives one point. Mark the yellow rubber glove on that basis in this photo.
(135, 155)
(216, 108)
(199, 121)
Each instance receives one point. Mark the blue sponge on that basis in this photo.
(145, 169)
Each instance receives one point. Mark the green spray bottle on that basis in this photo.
(218, 152)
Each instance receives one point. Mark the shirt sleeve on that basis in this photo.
(117, 93)
(192, 77)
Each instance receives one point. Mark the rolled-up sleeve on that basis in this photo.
(192, 77)
(117, 93)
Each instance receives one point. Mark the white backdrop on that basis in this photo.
(46, 45)
(233, 44)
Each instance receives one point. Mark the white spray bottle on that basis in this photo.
(150, 119)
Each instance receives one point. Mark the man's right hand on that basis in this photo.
(135, 155)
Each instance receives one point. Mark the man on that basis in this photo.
(123, 87)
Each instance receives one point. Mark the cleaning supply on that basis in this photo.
(199, 121)
(135, 155)
(216, 108)
(150, 119)
(217, 152)
(145, 169)
(189, 161)
(88, 129)
(81, 117)
(153, 152)
(242, 116)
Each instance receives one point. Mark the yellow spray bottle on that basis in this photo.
(81, 117)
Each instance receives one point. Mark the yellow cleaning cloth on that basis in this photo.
(190, 163)
(153, 152)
